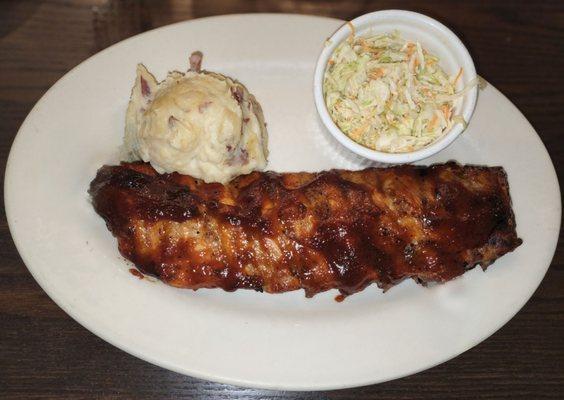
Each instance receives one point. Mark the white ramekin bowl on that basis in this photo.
(433, 36)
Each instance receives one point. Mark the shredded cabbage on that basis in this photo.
(390, 94)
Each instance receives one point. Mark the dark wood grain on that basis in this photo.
(44, 354)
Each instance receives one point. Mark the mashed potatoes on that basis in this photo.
(196, 123)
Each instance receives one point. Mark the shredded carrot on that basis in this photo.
(375, 52)
(433, 121)
(446, 111)
(376, 73)
(410, 49)
(365, 47)
(355, 135)
(458, 76)
(353, 31)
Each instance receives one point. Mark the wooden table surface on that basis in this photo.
(518, 46)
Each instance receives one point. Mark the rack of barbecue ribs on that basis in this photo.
(338, 229)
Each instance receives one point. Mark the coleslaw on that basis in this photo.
(390, 94)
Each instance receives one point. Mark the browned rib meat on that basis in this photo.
(316, 231)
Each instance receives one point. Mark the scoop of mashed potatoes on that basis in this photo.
(197, 123)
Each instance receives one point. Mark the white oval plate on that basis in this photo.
(245, 338)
